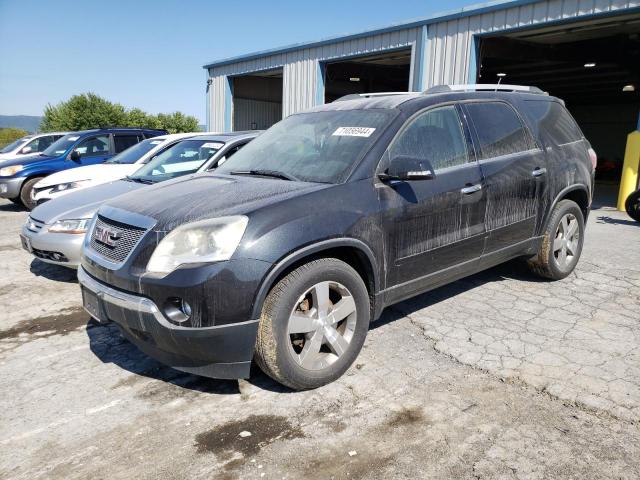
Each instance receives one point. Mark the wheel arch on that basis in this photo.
(578, 193)
(353, 252)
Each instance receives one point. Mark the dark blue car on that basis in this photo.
(87, 147)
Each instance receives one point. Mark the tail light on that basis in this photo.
(594, 158)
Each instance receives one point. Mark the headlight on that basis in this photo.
(212, 240)
(61, 187)
(12, 170)
(70, 226)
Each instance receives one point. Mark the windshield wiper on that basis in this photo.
(266, 173)
(139, 180)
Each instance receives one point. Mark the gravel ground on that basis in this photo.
(495, 376)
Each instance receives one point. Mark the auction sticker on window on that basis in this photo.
(353, 132)
(215, 145)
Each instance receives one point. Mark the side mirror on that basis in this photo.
(26, 150)
(404, 167)
(74, 156)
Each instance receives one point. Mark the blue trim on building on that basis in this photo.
(476, 9)
(474, 54)
(228, 104)
(320, 71)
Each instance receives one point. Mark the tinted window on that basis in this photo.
(122, 142)
(61, 145)
(435, 136)
(134, 153)
(41, 144)
(93, 146)
(555, 121)
(500, 130)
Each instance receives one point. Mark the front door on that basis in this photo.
(436, 224)
(94, 150)
(514, 169)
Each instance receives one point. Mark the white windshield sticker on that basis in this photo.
(354, 131)
(73, 139)
(212, 145)
(156, 142)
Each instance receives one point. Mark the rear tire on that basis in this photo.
(562, 242)
(25, 193)
(632, 205)
(16, 201)
(313, 325)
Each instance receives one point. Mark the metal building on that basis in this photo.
(585, 51)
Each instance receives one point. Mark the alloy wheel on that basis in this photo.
(321, 325)
(567, 241)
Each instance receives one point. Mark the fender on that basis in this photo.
(293, 257)
(562, 193)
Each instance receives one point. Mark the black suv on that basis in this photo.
(290, 249)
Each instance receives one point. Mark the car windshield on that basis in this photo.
(13, 145)
(60, 146)
(179, 159)
(135, 152)
(311, 147)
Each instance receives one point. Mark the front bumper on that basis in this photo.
(222, 351)
(10, 187)
(58, 248)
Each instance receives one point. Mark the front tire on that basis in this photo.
(632, 205)
(313, 324)
(562, 242)
(26, 196)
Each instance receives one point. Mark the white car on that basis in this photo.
(120, 166)
(29, 144)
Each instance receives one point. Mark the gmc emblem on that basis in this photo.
(106, 235)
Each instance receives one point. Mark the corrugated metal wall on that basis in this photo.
(250, 114)
(449, 42)
(301, 69)
(443, 55)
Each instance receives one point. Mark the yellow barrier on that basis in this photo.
(629, 180)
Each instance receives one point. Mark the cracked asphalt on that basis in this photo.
(499, 375)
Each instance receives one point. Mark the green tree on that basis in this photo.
(8, 135)
(89, 110)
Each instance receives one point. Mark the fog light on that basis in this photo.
(177, 310)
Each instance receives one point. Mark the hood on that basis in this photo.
(198, 197)
(26, 159)
(83, 203)
(101, 173)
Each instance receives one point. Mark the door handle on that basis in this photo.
(538, 172)
(469, 189)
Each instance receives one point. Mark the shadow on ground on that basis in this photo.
(53, 272)
(617, 221)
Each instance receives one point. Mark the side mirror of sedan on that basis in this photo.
(405, 167)
(26, 150)
(74, 156)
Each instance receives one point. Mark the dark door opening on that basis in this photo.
(594, 66)
(257, 100)
(387, 72)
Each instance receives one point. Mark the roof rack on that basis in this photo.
(354, 96)
(484, 87)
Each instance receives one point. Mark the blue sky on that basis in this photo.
(149, 54)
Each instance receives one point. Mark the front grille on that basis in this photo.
(47, 255)
(128, 238)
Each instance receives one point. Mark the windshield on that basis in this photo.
(179, 159)
(12, 146)
(135, 152)
(312, 147)
(61, 146)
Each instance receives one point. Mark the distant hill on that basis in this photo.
(29, 123)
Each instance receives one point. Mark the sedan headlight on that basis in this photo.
(12, 170)
(212, 240)
(70, 226)
(61, 187)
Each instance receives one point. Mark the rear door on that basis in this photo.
(122, 141)
(514, 169)
(433, 224)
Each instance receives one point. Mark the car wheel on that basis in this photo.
(313, 324)
(16, 201)
(632, 205)
(562, 242)
(26, 193)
